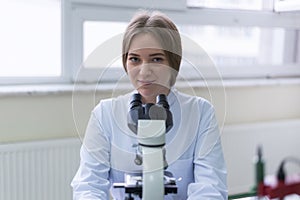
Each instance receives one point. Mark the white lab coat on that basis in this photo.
(193, 150)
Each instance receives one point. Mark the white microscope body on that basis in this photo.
(151, 137)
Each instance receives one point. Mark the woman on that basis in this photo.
(151, 57)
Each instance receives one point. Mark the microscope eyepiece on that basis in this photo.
(162, 100)
(136, 100)
(138, 110)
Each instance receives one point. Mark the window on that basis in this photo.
(246, 51)
(286, 5)
(239, 47)
(94, 36)
(53, 40)
(263, 48)
(30, 38)
(231, 4)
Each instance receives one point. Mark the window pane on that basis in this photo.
(227, 46)
(94, 35)
(286, 5)
(30, 38)
(238, 46)
(228, 4)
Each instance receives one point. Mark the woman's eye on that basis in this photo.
(158, 59)
(134, 59)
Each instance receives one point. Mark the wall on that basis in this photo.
(40, 116)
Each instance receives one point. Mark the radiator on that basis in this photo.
(39, 170)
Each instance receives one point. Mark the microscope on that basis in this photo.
(150, 122)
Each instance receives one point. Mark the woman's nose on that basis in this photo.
(145, 69)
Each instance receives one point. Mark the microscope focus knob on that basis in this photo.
(138, 159)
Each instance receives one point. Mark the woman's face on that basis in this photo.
(148, 67)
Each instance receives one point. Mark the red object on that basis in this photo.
(280, 190)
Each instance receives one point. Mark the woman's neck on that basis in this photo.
(152, 99)
(149, 100)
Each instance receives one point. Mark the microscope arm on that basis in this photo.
(151, 137)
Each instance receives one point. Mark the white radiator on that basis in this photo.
(39, 170)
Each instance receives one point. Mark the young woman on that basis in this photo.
(151, 58)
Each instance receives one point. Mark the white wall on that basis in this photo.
(43, 116)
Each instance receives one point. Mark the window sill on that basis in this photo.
(61, 89)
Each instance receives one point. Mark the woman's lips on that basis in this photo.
(145, 83)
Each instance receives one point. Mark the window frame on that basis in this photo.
(79, 15)
(184, 15)
(75, 12)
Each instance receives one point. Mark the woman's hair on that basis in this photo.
(162, 29)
